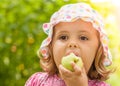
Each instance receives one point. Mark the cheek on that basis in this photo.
(88, 58)
(57, 61)
(88, 62)
(58, 52)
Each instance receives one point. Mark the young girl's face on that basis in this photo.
(78, 37)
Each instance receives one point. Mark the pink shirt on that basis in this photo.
(43, 79)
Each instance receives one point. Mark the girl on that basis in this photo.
(75, 28)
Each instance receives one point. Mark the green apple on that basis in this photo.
(66, 61)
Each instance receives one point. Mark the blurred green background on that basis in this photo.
(21, 35)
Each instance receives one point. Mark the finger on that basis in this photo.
(63, 71)
(76, 68)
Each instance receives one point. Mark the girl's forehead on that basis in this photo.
(78, 24)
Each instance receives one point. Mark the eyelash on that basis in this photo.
(64, 37)
(83, 38)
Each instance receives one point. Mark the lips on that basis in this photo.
(75, 52)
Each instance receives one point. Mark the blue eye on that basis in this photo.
(83, 38)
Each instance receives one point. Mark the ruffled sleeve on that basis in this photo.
(44, 79)
(35, 79)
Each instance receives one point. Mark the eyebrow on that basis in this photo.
(83, 31)
(61, 32)
(80, 31)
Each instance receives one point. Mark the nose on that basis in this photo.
(73, 44)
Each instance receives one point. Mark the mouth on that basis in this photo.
(75, 53)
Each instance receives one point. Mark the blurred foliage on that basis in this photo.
(21, 35)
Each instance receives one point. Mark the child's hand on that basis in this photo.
(76, 78)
